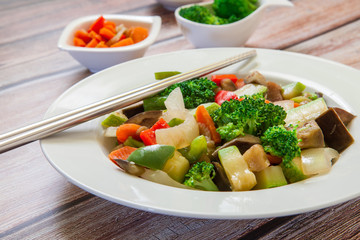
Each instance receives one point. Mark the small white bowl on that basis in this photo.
(228, 35)
(96, 59)
(173, 4)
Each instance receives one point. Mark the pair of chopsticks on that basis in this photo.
(72, 118)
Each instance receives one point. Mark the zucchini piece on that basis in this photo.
(250, 89)
(293, 90)
(293, 172)
(270, 177)
(305, 113)
(236, 169)
(176, 167)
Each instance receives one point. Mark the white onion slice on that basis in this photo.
(175, 107)
(318, 160)
(110, 132)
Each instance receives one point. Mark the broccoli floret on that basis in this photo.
(194, 91)
(201, 14)
(281, 142)
(251, 115)
(200, 177)
(234, 9)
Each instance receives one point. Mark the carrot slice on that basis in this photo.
(101, 45)
(97, 25)
(79, 42)
(138, 34)
(121, 153)
(111, 26)
(124, 42)
(202, 116)
(126, 130)
(83, 35)
(92, 43)
(93, 35)
(106, 33)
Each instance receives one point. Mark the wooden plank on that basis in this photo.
(339, 222)
(46, 58)
(283, 27)
(99, 219)
(43, 58)
(340, 45)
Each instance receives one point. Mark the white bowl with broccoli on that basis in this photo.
(222, 23)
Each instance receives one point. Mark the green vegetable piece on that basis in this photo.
(176, 167)
(175, 121)
(200, 177)
(281, 142)
(201, 14)
(131, 142)
(154, 103)
(153, 156)
(236, 169)
(293, 90)
(301, 99)
(305, 113)
(234, 9)
(197, 148)
(251, 115)
(163, 75)
(312, 96)
(251, 89)
(270, 177)
(114, 119)
(211, 107)
(293, 171)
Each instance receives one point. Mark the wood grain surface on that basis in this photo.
(36, 202)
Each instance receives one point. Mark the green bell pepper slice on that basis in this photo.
(197, 148)
(154, 103)
(153, 156)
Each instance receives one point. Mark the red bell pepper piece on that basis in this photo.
(97, 25)
(161, 123)
(223, 96)
(148, 136)
(217, 78)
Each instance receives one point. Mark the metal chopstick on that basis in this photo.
(72, 118)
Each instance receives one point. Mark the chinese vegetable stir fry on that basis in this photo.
(223, 133)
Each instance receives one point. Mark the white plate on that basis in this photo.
(79, 153)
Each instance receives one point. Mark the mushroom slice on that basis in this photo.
(133, 109)
(344, 115)
(336, 134)
(311, 136)
(243, 143)
(130, 167)
(255, 77)
(227, 84)
(146, 119)
(273, 93)
(220, 179)
(256, 158)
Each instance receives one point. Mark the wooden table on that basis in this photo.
(36, 202)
